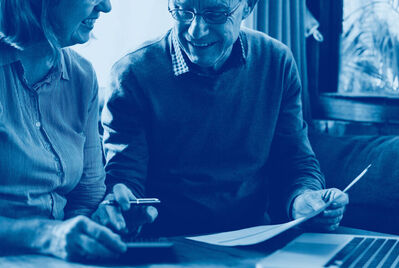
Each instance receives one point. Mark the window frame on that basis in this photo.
(327, 103)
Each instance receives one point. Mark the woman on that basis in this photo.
(50, 154)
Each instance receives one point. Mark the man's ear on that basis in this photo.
(246, 10)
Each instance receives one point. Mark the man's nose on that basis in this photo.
(198, 28)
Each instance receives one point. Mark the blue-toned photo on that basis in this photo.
(199, 133)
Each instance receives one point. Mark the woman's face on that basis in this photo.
(73, 20)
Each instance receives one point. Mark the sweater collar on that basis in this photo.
(180, 62)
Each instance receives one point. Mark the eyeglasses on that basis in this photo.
(211, 17)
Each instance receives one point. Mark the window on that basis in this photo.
(354, 73)
(369, 48)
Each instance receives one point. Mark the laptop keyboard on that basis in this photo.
(367, 252)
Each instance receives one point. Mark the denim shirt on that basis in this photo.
(50, 150)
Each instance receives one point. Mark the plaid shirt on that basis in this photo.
(180, 65)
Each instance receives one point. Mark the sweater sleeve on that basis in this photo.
(299, 168)
(125, 141)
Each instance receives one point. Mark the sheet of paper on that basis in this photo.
(258, 234)
(252, 235)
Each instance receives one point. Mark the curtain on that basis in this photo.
(324, 57)
(285, 21)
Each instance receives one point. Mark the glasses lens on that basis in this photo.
(215, 17)
(182, 15)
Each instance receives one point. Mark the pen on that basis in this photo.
(138, 201)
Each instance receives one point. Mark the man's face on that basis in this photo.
(206, 44)
(73, 20)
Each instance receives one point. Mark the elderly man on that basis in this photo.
(200, 117)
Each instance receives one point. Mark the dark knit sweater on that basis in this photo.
(209, 146)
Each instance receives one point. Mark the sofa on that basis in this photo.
(374, 200)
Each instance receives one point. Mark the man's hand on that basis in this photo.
(123, 218)
(310, 201)
(78, 239)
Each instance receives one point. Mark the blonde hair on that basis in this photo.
(23, 22)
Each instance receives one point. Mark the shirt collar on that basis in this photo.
(9, 55)
(64, 70)
(179, 63)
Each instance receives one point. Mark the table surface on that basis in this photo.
(185, 253)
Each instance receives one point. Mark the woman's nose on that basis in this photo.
(104, 6)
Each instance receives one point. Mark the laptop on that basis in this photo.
(336, 250)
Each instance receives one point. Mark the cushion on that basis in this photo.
(374, 200)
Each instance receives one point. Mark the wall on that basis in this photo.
(130, 23)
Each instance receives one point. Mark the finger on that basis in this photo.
(310, 203)
(327, 221)
(115, 218)
(123, 195)
(307, 203)
(88, 248)
(100, 215)
(110, 216)
(103, 236)
(332, 213)
(152, 214)
(316, 202)
(332, 227)
(136, 217)
(339, 199)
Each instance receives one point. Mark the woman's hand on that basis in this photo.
(122, 217)
(79, 239)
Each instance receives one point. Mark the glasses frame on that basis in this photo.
(195, 14)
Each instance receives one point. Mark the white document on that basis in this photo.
(252, 235)
(258, 234)
(248, 236)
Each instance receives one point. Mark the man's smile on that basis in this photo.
(200, 44)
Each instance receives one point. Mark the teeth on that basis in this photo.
(89, 22)
(201, 45)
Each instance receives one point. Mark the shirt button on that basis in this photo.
(37, 124)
